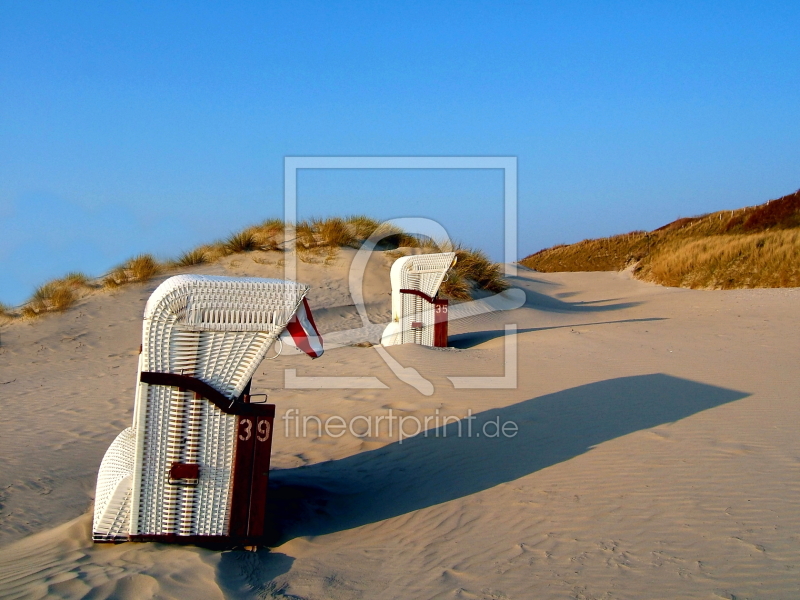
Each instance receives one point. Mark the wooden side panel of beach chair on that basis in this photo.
(415, 283)
(203, 338)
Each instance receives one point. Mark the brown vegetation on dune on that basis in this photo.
(54, 296)
(605, 254)
(6, 312)
(472, 269)
(138, 269)
(333, 232)
(243, 241)
(757, 246)
(197, 256)
(768, 259)
(455, 287)
(317, 241)
(362, 226)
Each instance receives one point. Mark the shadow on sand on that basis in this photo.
(554, 303)
(427, 470)
(470, 339)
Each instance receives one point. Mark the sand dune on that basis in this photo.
(656, 453)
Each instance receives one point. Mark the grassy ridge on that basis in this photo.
(314, 237)
(757, 246)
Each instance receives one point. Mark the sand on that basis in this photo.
(656, 454)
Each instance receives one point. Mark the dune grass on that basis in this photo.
(605, 254)
(243, 241)
(473, 269)
(362, 226)
(55, 296)
(318, 240)
(139, 269)
(197, 256)
(756, 246)
(334, 232)
(6, 312)
(757, 260)
(143, 268)
(455, 287)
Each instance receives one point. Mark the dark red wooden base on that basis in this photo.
(251, 475)
(440, 310)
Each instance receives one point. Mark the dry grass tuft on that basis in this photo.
(197, 256)
(76, 279)
(215, 251)
(6, 312)
(456, 287)
(268, 242)
(115, 278)
(304, 235)
(138, 269)
(333, 232)
(62, 298)
(474, 265)
(274, 226)
(244, 241)
(362, 226)
(265, 235)
(55, 296)
(142, 268)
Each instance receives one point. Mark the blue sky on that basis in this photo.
(128, 128)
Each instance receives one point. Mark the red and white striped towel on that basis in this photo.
(301, 332)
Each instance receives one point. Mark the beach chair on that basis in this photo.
(194, 466)
(418, 316)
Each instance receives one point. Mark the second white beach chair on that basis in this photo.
(194, 466)
(418, 316)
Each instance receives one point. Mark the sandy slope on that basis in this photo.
(657, 453)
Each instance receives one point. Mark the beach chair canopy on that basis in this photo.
(415, 284)
(171, 473)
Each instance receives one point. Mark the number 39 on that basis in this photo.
(262, 430)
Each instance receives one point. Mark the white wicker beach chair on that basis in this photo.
(418, 316)
(194, 465)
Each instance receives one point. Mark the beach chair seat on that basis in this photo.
(194, 466)
(418, 315)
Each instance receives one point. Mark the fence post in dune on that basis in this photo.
(418, 316)
(194, 466)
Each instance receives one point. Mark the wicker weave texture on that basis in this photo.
(423, 273)
(218, 330)
(114, 482)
